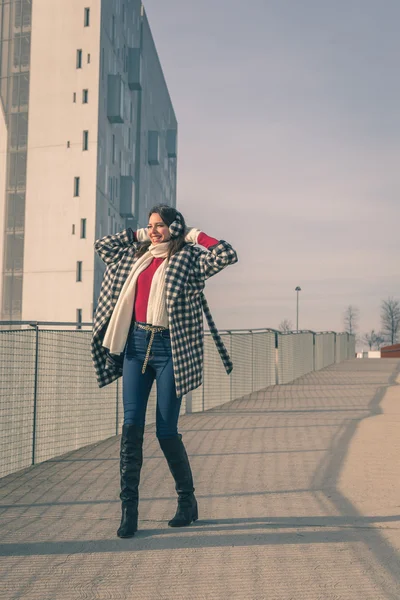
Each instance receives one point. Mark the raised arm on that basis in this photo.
(219, 253)
(111, 247)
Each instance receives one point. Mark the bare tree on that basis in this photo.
(285, 326)
(379, 340)
(390, 318)
(350, 319)
(369, 338)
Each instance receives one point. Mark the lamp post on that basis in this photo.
(298, 289)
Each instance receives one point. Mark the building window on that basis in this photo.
(131, 113)
(113, 149)
(129, 138)
(88, 58)
(73, 229)
(85, 96)
(83, 229)
(79, 318)
(102, 63)
(113, 30)
(77, 185)
(74, 97)
(110, 189)
(123, 13)
(79, 270)
(68, 144)
(85, 140)
(87, 17)
(79, 59)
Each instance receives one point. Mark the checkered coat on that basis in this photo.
(185, 276)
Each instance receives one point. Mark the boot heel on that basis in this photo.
(195, 514)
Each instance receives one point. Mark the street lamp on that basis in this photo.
(298, 289)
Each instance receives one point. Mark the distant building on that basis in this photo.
(391, 351)
(88, 143)
(369, 354)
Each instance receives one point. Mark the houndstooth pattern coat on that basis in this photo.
(185, 276)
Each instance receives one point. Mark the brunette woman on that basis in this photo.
(149, 326)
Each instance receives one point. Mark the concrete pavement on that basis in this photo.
(299, 498)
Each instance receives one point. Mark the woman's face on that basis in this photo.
(158, 230)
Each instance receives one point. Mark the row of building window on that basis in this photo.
(85, 144)
(79, 270)
(85, 97)
(85, 141)
(83, 229)
(85, 92)
(79, 55)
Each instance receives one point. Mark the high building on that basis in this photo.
(88, 143)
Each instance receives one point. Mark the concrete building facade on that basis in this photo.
(88, 141)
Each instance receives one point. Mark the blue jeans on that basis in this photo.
(137, 386)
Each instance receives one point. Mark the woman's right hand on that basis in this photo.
(142, 235)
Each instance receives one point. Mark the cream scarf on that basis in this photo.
(120, 322)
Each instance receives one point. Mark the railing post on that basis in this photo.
(35, 391)
(230, 376)
(252, 361)
(189, 408)
(335, 348)
(204, 380)
(117, 409)
(313, 351)
(276, 358)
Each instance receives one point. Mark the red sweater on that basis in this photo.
(145, 278)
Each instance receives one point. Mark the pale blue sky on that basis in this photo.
(289, 148)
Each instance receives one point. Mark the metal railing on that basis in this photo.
(50, 402)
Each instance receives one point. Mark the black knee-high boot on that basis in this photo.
(178, 462)
(131, 460)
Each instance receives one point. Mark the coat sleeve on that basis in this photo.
(212, 261)
(110, 248)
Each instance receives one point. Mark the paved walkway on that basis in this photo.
(299, 497)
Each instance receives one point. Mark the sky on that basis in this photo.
(289, 149)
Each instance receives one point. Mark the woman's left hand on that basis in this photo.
(192, 235)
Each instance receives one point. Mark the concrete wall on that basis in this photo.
(50, 290)
(49, 244)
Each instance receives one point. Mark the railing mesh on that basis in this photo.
(50, 402)
(264, 360)
(324, 350)
(296, 356)
(17, 369)
(71, 409)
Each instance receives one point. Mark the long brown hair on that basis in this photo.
(168, 214)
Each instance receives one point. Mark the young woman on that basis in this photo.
(149, 326)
